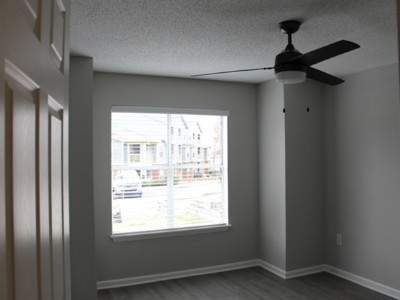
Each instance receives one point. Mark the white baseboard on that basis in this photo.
(373, 285)
(368, 283)
(304, 271)
(365, 282)
(292, 273)
(272, 268)
(113, 283)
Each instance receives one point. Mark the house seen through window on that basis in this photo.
(166, 181)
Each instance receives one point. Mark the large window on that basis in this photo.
(169, 170)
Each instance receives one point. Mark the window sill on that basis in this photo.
(126, 237)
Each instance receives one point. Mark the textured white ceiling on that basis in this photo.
(182, 37)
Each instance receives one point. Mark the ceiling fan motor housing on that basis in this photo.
(282, 61)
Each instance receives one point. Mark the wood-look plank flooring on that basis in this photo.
(246, 284)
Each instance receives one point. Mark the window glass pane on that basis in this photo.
(198, 181)
(162, 180)
(139, 194)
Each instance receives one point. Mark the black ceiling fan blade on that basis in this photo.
(323, 77)
(234, 71)
(326, 52)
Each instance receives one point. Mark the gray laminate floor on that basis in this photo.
(249, 284)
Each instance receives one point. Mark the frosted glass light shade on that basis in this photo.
(291, 77)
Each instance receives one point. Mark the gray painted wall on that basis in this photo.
(304, 175)
(362, 175)
(333, 169)
(127, 259)
(83, 278)
(290, 174)
(272, 198)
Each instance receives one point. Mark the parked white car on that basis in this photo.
(127, 184)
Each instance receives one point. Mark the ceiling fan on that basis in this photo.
(291, 66)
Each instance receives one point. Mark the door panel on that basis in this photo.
(33, 10)
(24, 196)
(57, 30)
(56, 202)
(21, 184)
(44, 201)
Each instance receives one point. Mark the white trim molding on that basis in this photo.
(169, 110)
(113, 283)
(365, 282)
(292, 273)
(19, 76)
(127, 237)
(304, 271)
(370, 284)
(272, 268)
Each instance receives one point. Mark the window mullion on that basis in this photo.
(170, 178)
(224, 172)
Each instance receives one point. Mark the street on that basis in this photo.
(192, 204)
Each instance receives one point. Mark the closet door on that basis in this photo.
(34, 211)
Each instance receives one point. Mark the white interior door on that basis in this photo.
(34, 210)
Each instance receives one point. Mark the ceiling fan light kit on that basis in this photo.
(291, 66)
(291, 77)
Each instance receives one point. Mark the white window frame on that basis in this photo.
(132, 236)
